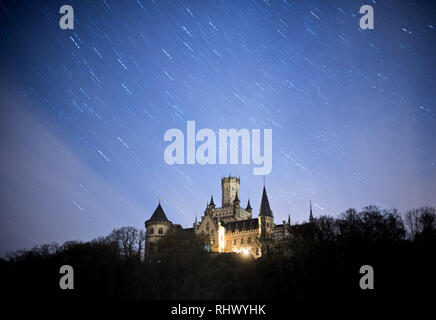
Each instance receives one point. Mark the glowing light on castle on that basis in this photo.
(221, 234)
(228, 228)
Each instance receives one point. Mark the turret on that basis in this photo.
(210, 207)
(156, 227)
(248, 208)
(236, 206)
(212, 204)
(236, 201)
(266, 220)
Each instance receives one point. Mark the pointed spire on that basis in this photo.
(211, 201)
(289, 219)
(236, 197)
(265, 209)
(159, 214)
(196, 223)
(248, 208)
(310, 215)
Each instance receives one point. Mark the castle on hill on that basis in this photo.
(229, 228)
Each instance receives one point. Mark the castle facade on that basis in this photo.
(229, 228)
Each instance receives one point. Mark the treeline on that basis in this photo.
(326, 255)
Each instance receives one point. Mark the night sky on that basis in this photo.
(84, 111)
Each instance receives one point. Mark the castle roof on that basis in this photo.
(159, 214)
(211, 201)
(242, 225)
(236, 197)
(248, 205)
(265, 209)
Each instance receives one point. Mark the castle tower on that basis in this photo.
(156, 227)
(210, 207)
(266, 220)
(229, 189)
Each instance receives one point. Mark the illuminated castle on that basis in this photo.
(229, 228)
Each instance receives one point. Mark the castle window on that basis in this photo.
(267, 225)
(151, 230)
(249, 240)
(160, 231)
(233, 188)
(242, 241)
(234, 242)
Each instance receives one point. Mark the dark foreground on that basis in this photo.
(326, 257)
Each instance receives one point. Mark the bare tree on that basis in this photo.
(412, 222)
(130, 241)
(421, 222)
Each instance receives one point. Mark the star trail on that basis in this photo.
(84, 111)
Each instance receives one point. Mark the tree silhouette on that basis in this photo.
(325, 257)
(129, 240)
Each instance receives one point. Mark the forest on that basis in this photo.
(326, 255)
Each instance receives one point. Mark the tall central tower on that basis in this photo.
(229, 188)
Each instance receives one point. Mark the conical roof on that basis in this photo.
(265, 209)
(211, 201)
(159, 214)
(236, 197)
(248, 205)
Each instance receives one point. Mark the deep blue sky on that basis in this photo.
(83, 112)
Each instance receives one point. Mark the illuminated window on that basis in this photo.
(160, 231)
(242, 241)
(152, 231)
